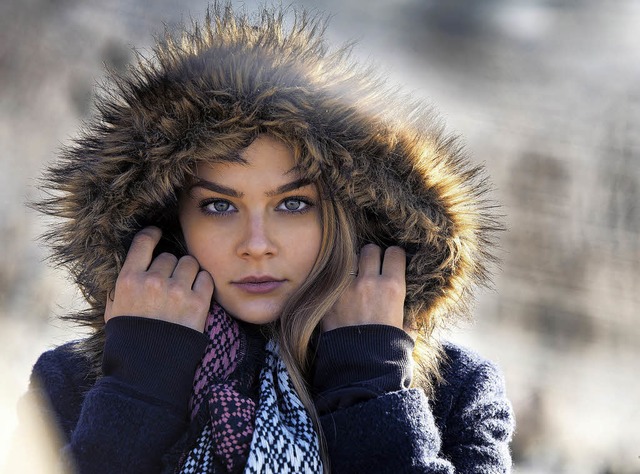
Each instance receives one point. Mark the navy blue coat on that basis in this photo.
(134, 418)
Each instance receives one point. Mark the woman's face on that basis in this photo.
(255, 227)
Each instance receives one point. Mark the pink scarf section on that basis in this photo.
(232, 414)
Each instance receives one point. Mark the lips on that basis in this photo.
(258, 284)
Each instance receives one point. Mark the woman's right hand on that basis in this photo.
(163, 288)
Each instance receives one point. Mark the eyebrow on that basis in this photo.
(227, 191)
(285, 188)
(216, 188)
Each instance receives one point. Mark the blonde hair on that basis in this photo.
(303, 313)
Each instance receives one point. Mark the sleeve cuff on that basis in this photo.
(376, 357)
(155, 358)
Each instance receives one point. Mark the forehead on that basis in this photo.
(266, 156)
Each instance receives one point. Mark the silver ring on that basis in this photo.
(353, 273)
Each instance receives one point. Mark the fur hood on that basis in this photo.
(205, 94)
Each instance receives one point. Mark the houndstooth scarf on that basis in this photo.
(276, 436)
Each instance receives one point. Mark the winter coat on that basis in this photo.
(127, 423)
(203, 97)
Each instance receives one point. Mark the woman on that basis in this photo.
(267, 239)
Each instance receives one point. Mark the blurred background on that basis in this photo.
(544, 93)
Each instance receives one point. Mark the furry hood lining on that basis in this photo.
(208, 91)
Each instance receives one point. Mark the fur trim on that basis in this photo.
(207, 92)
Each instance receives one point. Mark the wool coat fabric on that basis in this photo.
(203, 95)
(128, 422)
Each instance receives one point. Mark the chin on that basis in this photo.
(253, 315)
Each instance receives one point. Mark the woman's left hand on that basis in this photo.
(376, 295)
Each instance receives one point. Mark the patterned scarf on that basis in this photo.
(277, 435)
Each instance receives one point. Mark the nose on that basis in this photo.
(256, 240)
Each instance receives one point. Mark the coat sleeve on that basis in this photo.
(137, 411)
(397, 432)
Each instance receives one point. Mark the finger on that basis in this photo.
(163, 265)
(394, 264)
(186, 270)
(140, 253)
(369, 263)
(203, 285)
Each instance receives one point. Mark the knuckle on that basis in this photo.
(189, 263)
(155, 283)
(196, 306)
(368, 284)
(144, 237)
(150, 230)
(148, 235)
(189, 260)
(395, 288)
(176, 292)
(395, 251)
(187, 301)
(139, 243)
(167, 257)
(370, 248)
(126, 281)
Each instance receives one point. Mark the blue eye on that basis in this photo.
(221, 206)
(217, 206)
(294, 204)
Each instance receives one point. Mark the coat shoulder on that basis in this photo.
(467, 377)
(460, 361)
(61, 376)
(62, 365)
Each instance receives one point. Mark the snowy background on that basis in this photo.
(544, 93)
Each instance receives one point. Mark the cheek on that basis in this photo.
(186, 219)
(206, 249)
(200, 241)
(309, 246)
